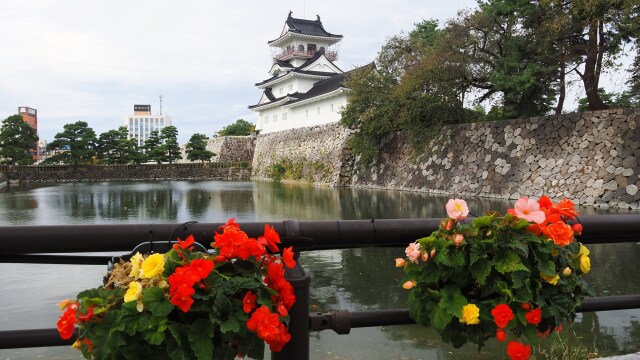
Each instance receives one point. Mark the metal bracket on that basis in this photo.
(338, 321)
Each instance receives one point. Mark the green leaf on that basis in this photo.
(483, 221)
(476, 254)
(520, 225)
(154, 300)
(547, 268)
(452, 300)
(441, 318)
(509, 262)
(480, 270)
(154, 337)
(200, 334)
(230, 325)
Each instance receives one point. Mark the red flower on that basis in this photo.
(269, 328)
(545, 202)
(182, 301)
(234, 242)
(518, 351)
(67, 323)
(560, 233)
(88, 315)
(186, 244)
(501, 335)
(526, 306)
(534, 316)
(287, 258)
(201, 267)
(502, 314)
(249, 301)
(270, 239)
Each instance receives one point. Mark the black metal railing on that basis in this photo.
(51, 244)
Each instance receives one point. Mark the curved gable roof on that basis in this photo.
(306, 27)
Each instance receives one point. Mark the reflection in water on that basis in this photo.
(352, 279)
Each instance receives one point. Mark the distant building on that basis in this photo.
(142, 123)
(30, 116)
(305, 87)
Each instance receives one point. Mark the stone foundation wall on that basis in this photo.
(228, 149)
(591, 158)
(315, 154)
(128, 173)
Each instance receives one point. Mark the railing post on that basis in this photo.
(298, 347)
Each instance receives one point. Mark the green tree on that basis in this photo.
(115, 147)
(196, 148)
(153, 148)
(238, 128)
(169, 137)
(17, 139)
(415, 88)
(77, 143)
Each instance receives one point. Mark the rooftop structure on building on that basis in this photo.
(142, 122)
(306, 88)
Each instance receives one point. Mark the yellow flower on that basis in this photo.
(583, 251)
(470, 314)
(152, 266)
(77, 344)
(135, 289)
(553, 280)
(136, 260)
(585, 263)
(567, 271)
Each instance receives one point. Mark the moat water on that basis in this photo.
(354, 279)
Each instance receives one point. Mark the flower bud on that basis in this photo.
(424, 257)
(577, 229)
(566, 271)
(526, 306)
(447, 224)
(457, 239)
(409, 284)
(433, 252)
(400, 262)
(501, 335)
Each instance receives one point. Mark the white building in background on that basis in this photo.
(305, 87)
(142, 123)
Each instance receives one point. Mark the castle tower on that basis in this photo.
(305, 87)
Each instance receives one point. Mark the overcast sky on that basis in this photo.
(93, 60)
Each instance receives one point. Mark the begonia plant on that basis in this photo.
(512, 276)
(186, 304)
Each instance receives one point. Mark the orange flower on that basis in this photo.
(566, 209)
(577, 228)
(560, 233)
(502, 314)
(518, 351)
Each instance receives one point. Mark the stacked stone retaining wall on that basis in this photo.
(592, 158)
(228, 149)
(317, 155)
(128, 173)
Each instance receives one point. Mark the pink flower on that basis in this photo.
(409, 285)
(529, 210)
(457, 209)
(400, 262)
(413, 252)
(424, 257)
